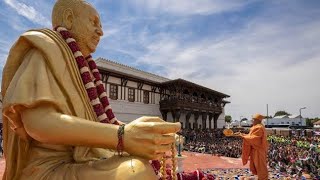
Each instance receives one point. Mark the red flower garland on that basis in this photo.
(94, 86)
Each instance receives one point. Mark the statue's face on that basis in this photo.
(86, 29)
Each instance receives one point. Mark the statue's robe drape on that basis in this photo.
(255, 148)
(40, 69)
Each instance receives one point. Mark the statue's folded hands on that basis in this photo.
(149, 137)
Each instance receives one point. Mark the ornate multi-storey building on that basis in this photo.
(134, 93)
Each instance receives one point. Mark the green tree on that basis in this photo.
(228, 118)
(310, 121)
(281, 113)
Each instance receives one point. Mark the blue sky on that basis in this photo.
(259, 52)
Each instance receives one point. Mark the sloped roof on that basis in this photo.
(280, 117)
(294, 116)
(113, 66)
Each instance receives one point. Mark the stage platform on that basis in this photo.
(196, 161)
(193, 162)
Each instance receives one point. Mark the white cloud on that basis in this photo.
(28, 12)
(182, 7)
(266, 62)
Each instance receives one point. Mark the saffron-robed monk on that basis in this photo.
(255, 148)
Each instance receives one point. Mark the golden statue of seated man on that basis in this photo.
(51, 126)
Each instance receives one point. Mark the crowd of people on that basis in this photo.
(213, 142)
(294, 157)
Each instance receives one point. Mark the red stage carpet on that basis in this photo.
(193, 162)
(196, 161)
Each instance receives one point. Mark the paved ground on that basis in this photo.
(192, 162)
(196, 161)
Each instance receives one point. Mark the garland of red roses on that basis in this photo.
(192, 175)
(94, 87)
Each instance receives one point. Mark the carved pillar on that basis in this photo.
(204, 120)
(215, 120)
(173, 113)
(210, 120)
(196, 117)
(124, 82)
(105, 77)
(188, 115)
(153, 96)
(178, 114)
(164, 114)
(140, 95)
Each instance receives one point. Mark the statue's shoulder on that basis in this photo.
(49, 42)
(46, 35)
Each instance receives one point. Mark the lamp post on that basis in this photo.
(267, 116)
(300, 115)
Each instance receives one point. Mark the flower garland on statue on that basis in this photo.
(94, 86)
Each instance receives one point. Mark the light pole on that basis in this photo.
(267, 116)
(300, 115)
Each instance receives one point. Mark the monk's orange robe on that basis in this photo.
(255, 149)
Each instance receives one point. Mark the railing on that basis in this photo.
(169, 103)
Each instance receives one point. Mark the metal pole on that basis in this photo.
(300, 117)
(267, 116)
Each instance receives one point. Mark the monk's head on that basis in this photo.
(82, 21)
(257, 119)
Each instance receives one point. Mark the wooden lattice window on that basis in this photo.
(131, 94)
(146, 97)
(113, 92)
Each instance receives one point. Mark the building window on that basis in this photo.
(131, 94)
(113, 91)
(146, 97)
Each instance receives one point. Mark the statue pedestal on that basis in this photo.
(180, 160)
